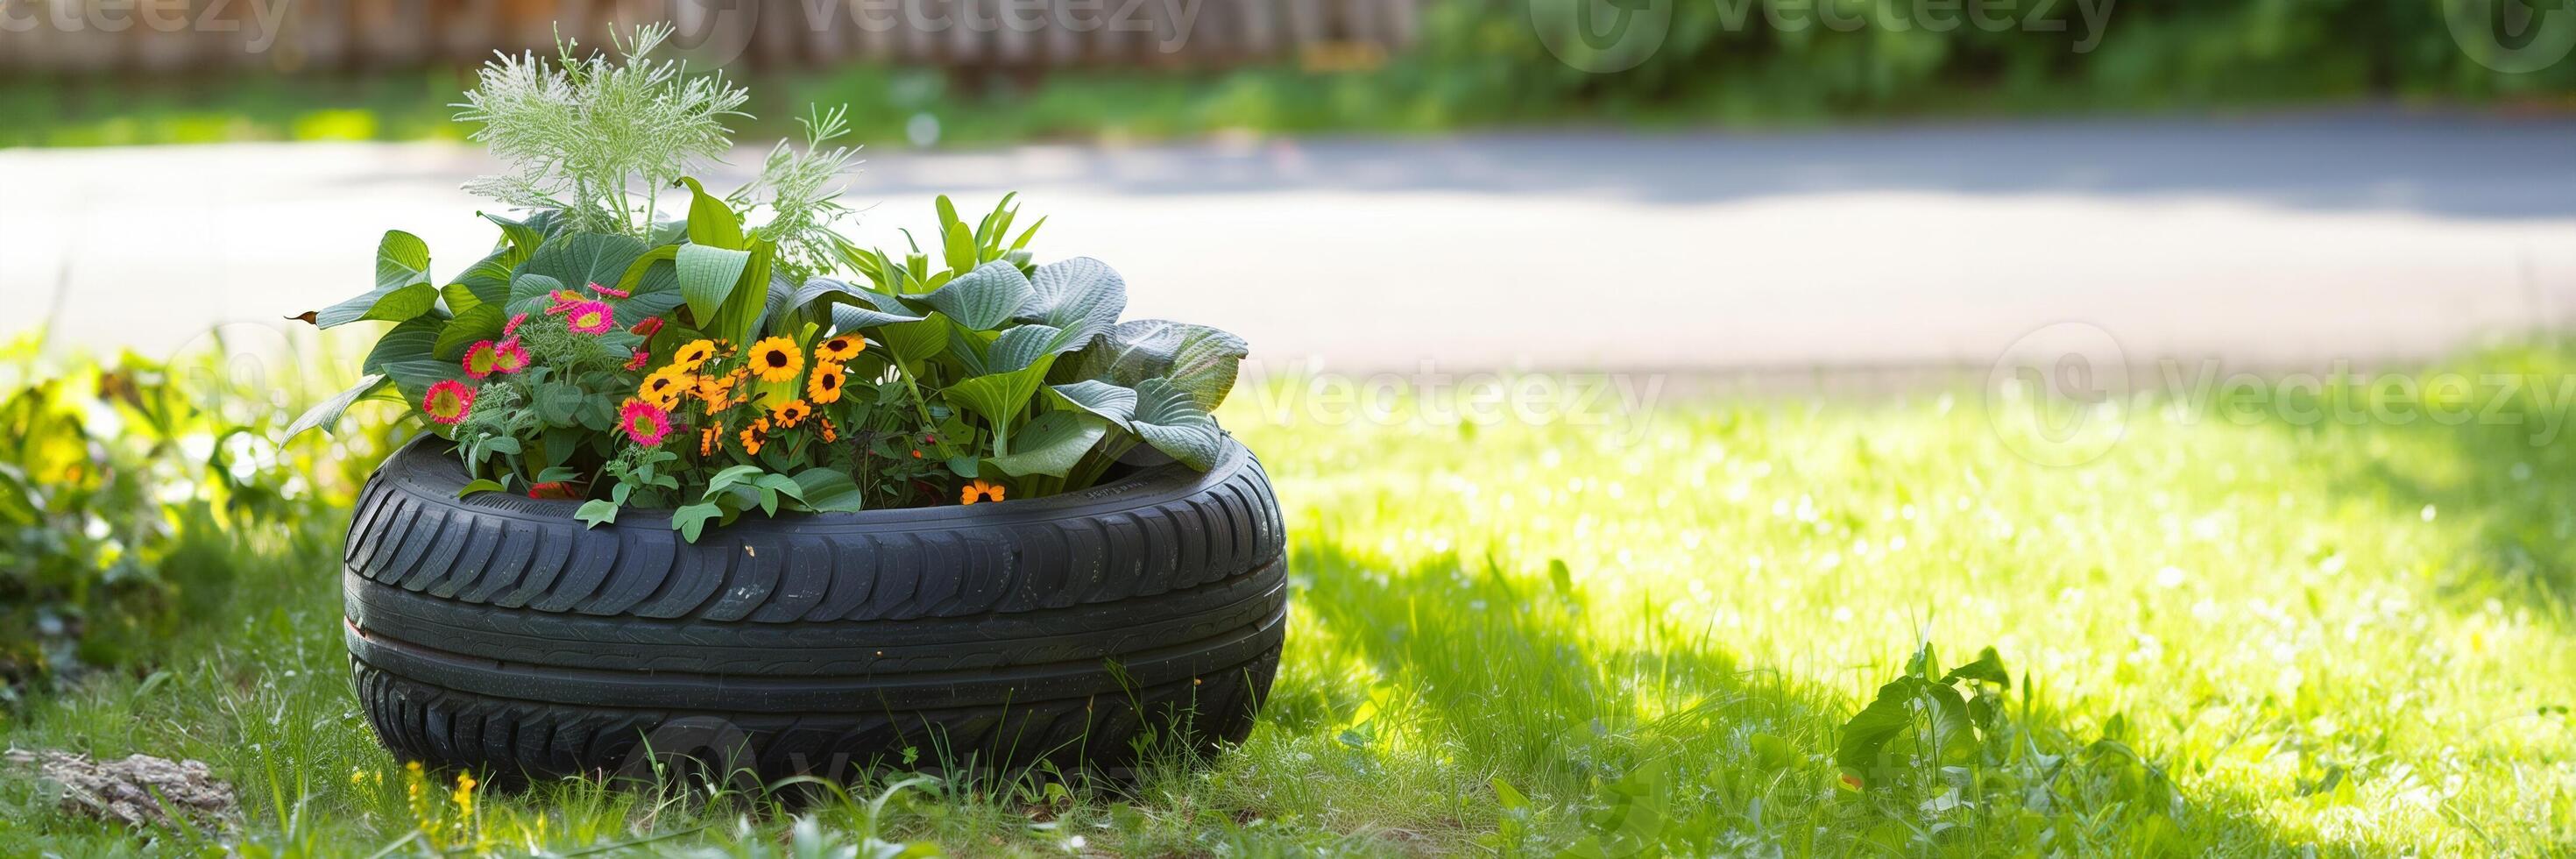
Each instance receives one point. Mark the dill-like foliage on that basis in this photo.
(802, 198)
(596, 136)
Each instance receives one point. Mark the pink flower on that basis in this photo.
(509, 357)
(482, 359)
(641, 358)
(513, 327)
(565, 299)
(448, 402)
(644, 422)
(648, 327)
(612, 293)
(555, 489)
(591, 317)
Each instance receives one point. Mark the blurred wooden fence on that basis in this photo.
(163, 36)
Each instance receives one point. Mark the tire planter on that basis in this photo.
(496, 632)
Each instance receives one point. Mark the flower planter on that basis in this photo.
(495, 631)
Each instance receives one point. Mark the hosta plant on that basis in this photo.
(696, 361)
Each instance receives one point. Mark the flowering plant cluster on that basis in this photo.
(710, 368)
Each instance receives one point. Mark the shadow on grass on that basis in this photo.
(1631, 733)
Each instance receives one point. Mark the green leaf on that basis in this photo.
(1023, 345)
(407, 355)
(711, 222)
(999, 397)
(487, 281)
(691, 520)
(739, 317)
(576, 260)
(530, 293)
(597, 512)
(985, 298)
(652, 286)
(559, 403)
(1868, 731)
(482, 323)
(830, 490)
(853, 307)
(525, 235)
(1773, 752)
(1196, 358)
(1167, 418)
(479, 486)
(708, 275)
(731, 476)
(1082, 295)
(402, 290)
(1051, 444)
(914, 342)
(959, 243)
(1988, 668)
(326, 414)
(1114, 403)
(965, 465)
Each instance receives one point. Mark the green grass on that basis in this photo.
(1517, 637)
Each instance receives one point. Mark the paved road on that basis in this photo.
(2276, 241)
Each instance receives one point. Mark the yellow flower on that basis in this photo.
(776, 359)
(716, 392)
(693, 355)
(840, 349)
(664, 387)
(980, 491)
(824, 386)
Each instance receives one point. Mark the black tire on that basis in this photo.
(496, 632)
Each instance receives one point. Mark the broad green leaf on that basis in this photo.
(597, 511)
(1051, 444)
(1988, 668)
(487, 281)
(484, 322)
(1082, 295)
(527, 234)
(560, 403)
(711, 222)
(1167, 418)
(1868, 731)
(738, 318)
(407, 356)
(830, 490)
(914, 342)
(1023, 345)
(578, 260)
(1110, 402)
(652, 286)
(708, 275)
(985, 298)
(402, 290)
(853, 307)
(326, 414)
(999, 397)
(459, 299)
(531, 293)
(958, 242)
(691, 520)
(479, 486)
(1196, 358)
(731, 476)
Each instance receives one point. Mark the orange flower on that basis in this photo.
(980, 491)
(840, 349)
(790, 413)
(751, 441)
(776, 359)
(707, 441)
(830, 433)
(716, 391)
(824, 386)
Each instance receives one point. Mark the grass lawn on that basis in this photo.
(2240, 632)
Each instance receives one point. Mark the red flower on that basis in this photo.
(553, 489)
(647, 327)
(612, 293)
(638, 362)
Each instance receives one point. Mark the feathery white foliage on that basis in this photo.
(596, 136)
(802, 198)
